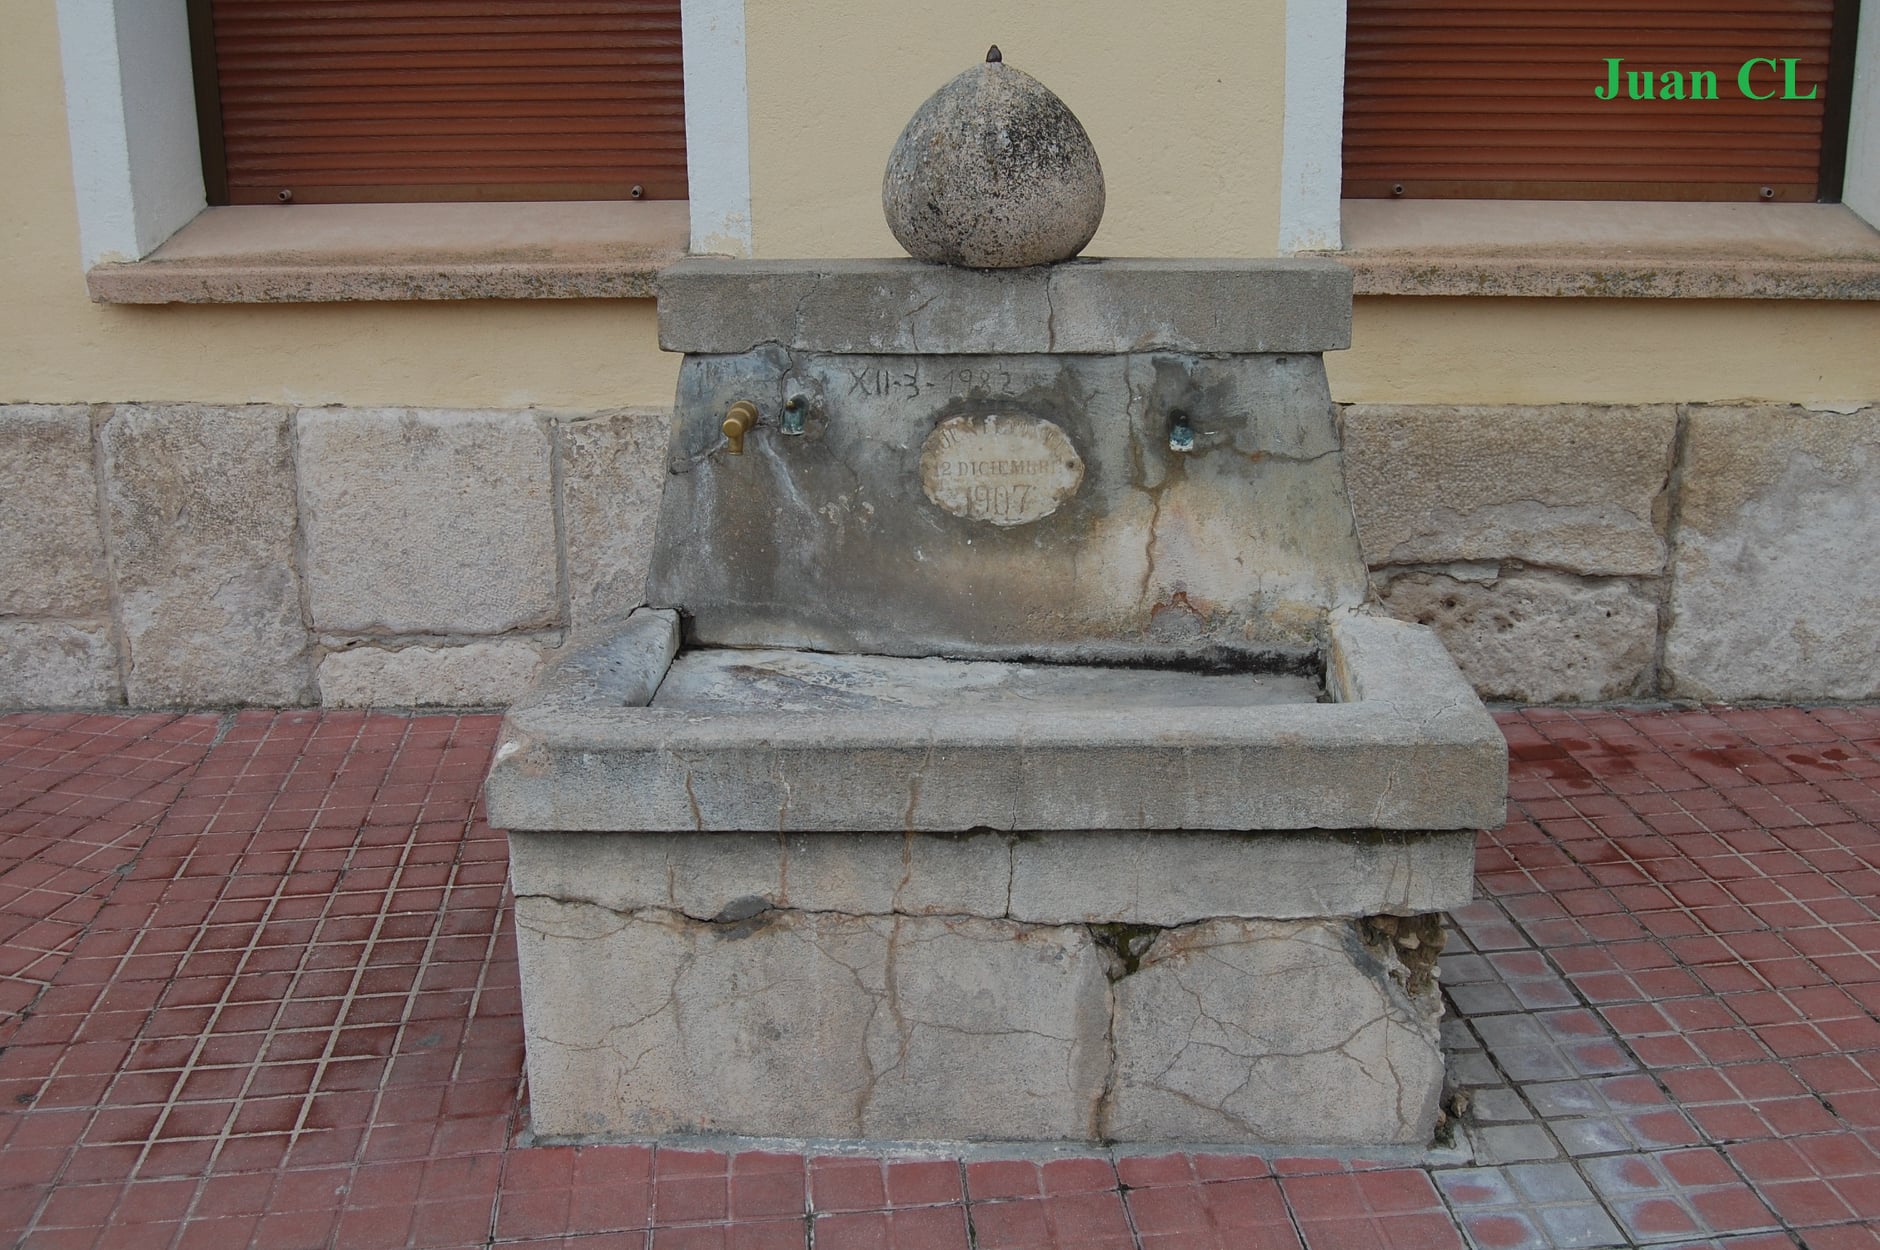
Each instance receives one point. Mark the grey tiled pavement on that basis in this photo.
(1653, 995)
(1535, 1204)
(1570, 1144)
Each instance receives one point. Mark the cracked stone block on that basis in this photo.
(1251, 1030)
(57, 664)
(1774, 594)
(51, 545)
(475, 674)
(908, 874)
(200, 503)
(829, 541)
(427, 522)
(1043, 878)
(1177, 877)
(613, 467)
(1537, 636)
(1570, 486)
(809, 1024)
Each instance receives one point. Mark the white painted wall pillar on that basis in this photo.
(130, 107)
(1861, 190)
(717, 126)
(1313, 132)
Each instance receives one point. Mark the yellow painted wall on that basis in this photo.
(56, 346)
(1420, 349)
(1185, 115)
(1182, 102)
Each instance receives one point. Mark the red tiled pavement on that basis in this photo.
(258, 988)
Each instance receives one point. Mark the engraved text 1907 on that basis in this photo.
(1002, 469)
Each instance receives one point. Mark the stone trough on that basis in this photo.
(1007, 752)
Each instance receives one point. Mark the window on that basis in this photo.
(1508, 99)
(345, 101)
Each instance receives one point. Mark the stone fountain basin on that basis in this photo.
(627, 732)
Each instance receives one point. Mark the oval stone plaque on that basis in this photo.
(1002, 469)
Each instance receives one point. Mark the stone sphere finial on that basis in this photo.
(993, 172)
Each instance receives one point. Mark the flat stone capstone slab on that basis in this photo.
(1101, 307)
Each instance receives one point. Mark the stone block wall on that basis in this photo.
(188, 555)
(1045, 985)
(1568, 553)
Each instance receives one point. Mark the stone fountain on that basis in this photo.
(1007, 752)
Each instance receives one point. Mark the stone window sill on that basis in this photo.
(329, 253)
(1610, 250)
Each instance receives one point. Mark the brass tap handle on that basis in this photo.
(739, 418)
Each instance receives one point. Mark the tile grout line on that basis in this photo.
(190, 1065)
(102, 1103)
(286, 997)
(413, 993)
(1122, 1197)
(358, 973)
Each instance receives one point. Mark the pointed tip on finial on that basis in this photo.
(994, 56)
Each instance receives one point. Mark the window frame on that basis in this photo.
(137, 168)
(1310, 194)
(484, 187)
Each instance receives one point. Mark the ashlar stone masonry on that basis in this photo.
(1621, 599)
(1008, 751)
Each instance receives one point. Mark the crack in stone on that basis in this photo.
(913, 789)
(1011, 870)
(796, 316)
(913, 329)
(1377, 808)
(1103, 1107)
(691, 796)
(677, 909)
(866, 1093)
(1249, 1054)
(891, 988)
(962, 1031)
(907, 872)
(1149, 542)
(1239, 1121)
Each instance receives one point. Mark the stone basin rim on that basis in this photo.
(1406, 745)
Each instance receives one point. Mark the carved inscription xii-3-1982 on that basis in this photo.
(1002, 469)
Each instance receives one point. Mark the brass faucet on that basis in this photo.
(739, 418)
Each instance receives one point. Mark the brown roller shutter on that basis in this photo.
(374, 100)
(1495, 99)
